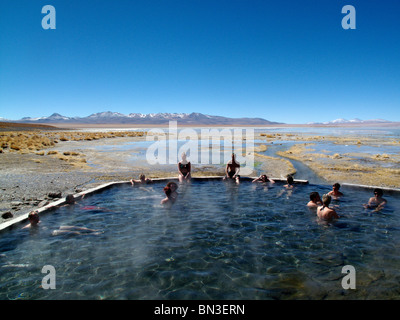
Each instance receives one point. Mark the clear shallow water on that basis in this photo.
(393, 132)
(387, 132)
(219, 241)
(136, 151)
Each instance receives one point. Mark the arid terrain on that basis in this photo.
(41, 162)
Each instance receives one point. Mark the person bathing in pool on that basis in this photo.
(142, 180)
(184, 169)
(324, 212)
(335, 193)
(33, 218)
(289, 182)
(170, 192)
(315, 200)
(263, 179)
(232, 170)
(376, 202)
(288, 187)
(70, 199)
(73, 230)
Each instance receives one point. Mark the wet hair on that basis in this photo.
(168, 188)
(167, 191)
(379, 192)
(169, 184)
(33, 216)
(70, 199)
(289, 179)
(326, 199)
(142, 176)
(314, 195)
(264, 177)
(336, 185)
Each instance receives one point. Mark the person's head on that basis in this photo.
(70, 199)
(336, 186)
(33, 217)
(378, 193)
(167, 191)
(172, 185)
(184, 156)
(233, 157)
(326, 200)
(314, 196)
(289, 179)
(142, 177)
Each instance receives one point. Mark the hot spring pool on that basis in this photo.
(219, 241)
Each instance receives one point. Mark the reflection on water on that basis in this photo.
(338, 131)
(133, 153)
(370, 131)
(332, 148)
(219, 241)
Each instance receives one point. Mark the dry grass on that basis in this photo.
(33, 141)
(344, 168)
(25, 142)
(276, 167)
(260, 148)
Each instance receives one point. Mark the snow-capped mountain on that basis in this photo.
(352, 121)
(55, 117)
(109, 117)
(106, 115)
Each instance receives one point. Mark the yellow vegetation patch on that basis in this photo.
(260, 148)
(343, 168)
(276, 167)
(32, 141)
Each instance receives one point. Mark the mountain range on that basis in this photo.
(352, 121)
(109, 117)
(193, 118)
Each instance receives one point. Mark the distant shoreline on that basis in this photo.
(16, 126)
(123, 125)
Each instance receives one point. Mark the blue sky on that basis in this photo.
(285, 61)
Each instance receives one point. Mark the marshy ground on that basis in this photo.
(374, 167)
(36, 161)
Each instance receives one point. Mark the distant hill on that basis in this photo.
(12, 126)
(109, 117)
(351, 122)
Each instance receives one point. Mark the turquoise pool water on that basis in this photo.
(218, 241)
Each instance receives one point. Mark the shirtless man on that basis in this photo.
(142, 180)
(232, 169)
(324, 212)
(376, 202)
(263, 179)
(315, 200)
(288, 187)
(290, 182)
(33, 218)
(335, 193)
